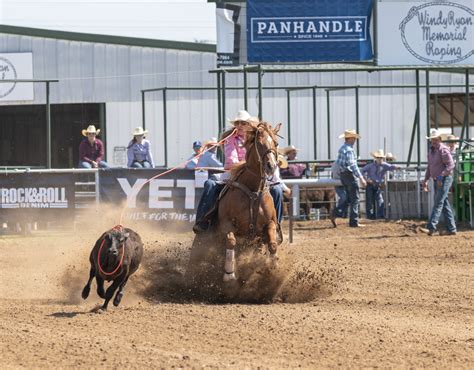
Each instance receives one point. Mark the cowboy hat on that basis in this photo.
(348, 134)
(378, 154)
(211, 141)
(288, 149)
(90, 130)
(242, 116)
(452, 137)
(282, 162)
(434, 134)
(390, 157)
(138, 131)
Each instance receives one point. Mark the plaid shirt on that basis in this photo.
(346, 160)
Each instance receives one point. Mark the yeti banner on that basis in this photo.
(295, 31)
(426, 33)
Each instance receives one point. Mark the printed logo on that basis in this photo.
(439, 32)
(7, 72)
(51, 197)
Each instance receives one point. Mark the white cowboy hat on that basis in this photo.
(90, 130)
(434, 134)
(452, 137)
(378, 154)
(242, 115)
(348, 134)
(211, 141)
(282, 162)
(138, 131)
(391, 157)
(288, 149)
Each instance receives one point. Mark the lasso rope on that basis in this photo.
(117, 228)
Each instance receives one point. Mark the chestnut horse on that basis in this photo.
(246, 208)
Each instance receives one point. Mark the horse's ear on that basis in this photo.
(277, 128)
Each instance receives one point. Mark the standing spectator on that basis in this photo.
(194, 158)
(208, 157)
(375, 175)
(138, 150)
(91, 150)
(342, 202)
(349, 172)
(452, 143)
(440, 169)
(294, 170)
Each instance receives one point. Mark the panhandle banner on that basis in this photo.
(228, 34)
(171, 199)
(426, 33)
(36, 196)
(295, 31)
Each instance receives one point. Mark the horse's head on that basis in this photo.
(262, 138)
(117, 237)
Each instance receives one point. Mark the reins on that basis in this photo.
(115, 228)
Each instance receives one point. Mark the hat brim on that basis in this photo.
(282, 162)
(433, 137)
(140, 134)
(377, 156)
(344, 136)
(285, 151)
(85, 132)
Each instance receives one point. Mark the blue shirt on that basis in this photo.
(346, 160)
(376, 172)
(139, 152)
(209, 159)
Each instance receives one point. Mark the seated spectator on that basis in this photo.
(294, 170)
(390, 157)
(138, 150)
(208, 157)
(193, 159)
(91, 150)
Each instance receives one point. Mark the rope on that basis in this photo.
(118, 228)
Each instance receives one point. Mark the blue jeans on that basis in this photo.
(84, 164)
(374, 203)
(441, 205)
(342, 203)
(352, 189)
(144, 164)
(277, 194)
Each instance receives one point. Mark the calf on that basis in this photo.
(115, 256)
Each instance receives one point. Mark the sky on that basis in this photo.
(183, 20)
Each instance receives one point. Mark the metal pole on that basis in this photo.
(246, 100)
(468, 107)
(165, 127)
(412, 139)
(357, 117)
(288, 109)
(436, 111)
(418, 131)
(223, 103)
(328, 106)
(428, 103)
(143, 109)
(48, 127)
(290, 219)
(452, 115)
(260, 90)
(219, 103)
(314, 124)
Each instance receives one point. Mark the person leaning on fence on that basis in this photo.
(91, 149)
(294, 170)
(194, 158)
(349, 173)
(440, 169)
(208, 159)
(375, 177)
(139, 151)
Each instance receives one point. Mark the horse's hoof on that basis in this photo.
(85, 292)
(229, 277)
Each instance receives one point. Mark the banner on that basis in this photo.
(228, 34)
(169, 199)
(426, 33)
(308, 31)
(16, 66)
(36, 196)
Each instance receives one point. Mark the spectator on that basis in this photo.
(208, 157)
(193, 159)
(375, 175)
(452, 143)
(349, 172)
(138, 150)
(390, 157)
(343, 202)
(440, 169)
(294, 170)
(91, 150)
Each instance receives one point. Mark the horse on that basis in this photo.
(246, 208)
(115, 256)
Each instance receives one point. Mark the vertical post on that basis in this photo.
(165, 127)
(288, 110)
(219, 103)
(290, 219)
(468, 108)
(48, 128)
(428, 103)
(246, 87)
(328, 107)
(314, 124)
(143, 109)
(436, 111)
(418, 131)
(412, 139)
(357, 117)
(452, 115)
(223, 102)
(260, 90)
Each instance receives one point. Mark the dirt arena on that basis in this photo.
(382, 296)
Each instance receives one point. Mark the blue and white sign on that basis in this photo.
(426, 33)
(308, 31)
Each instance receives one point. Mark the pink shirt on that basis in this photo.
(234, 151)
(440, 162)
